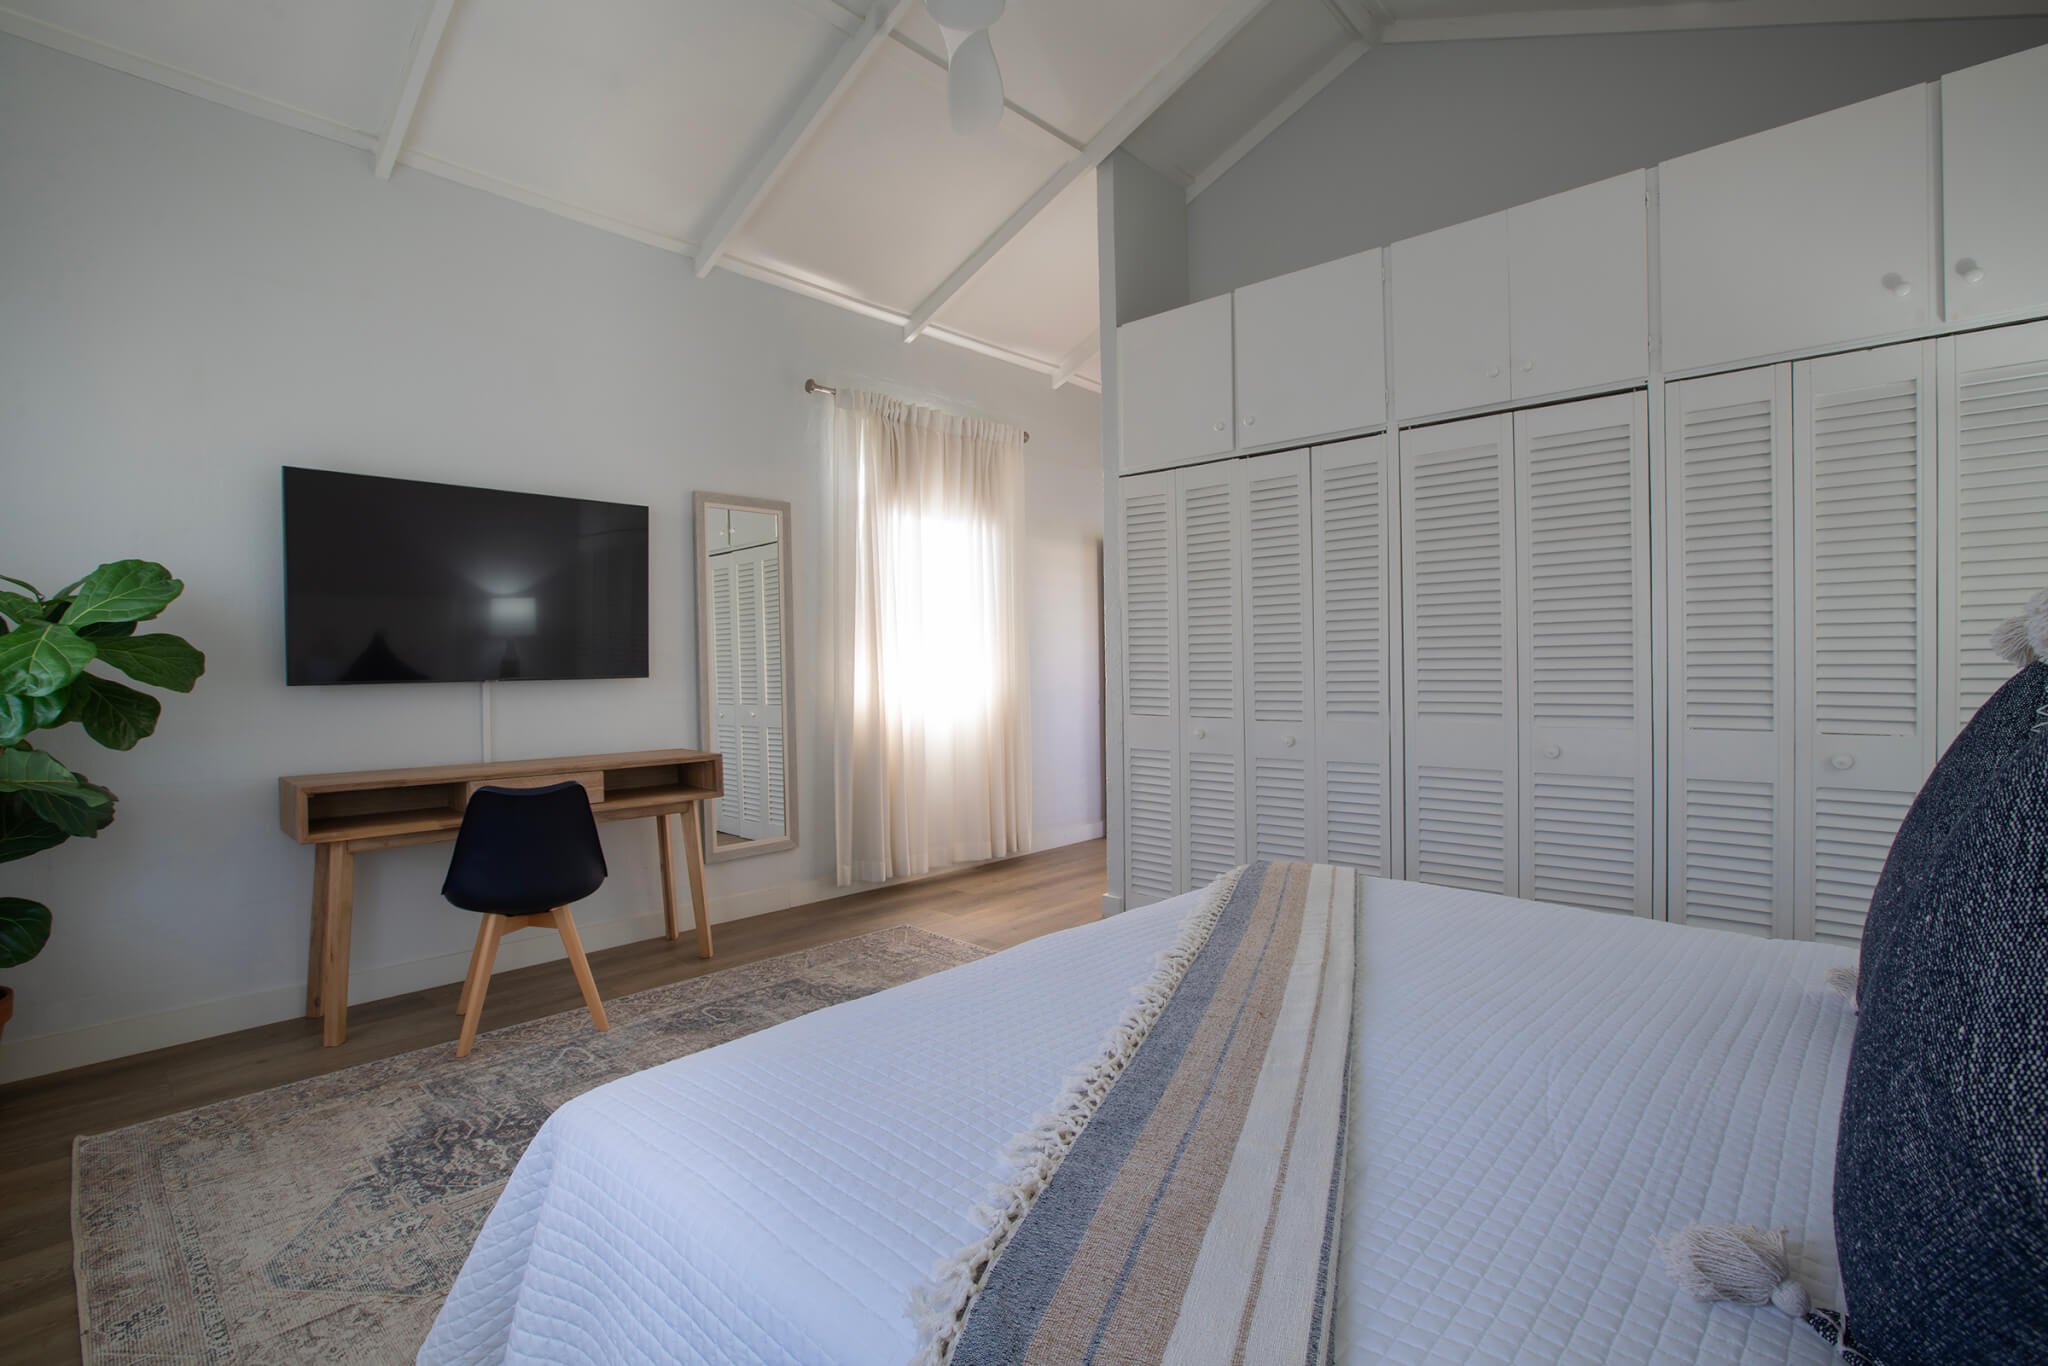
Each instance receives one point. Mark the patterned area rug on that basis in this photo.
(325, 1220)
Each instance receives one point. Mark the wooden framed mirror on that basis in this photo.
(746, 662)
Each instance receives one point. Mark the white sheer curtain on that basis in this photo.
(931, 692)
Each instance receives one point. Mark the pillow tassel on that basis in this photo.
(1736, 1262)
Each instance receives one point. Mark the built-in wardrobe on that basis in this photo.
(1658, 641)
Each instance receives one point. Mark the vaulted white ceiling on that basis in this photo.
(806, 142)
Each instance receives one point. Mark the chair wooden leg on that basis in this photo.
(580, 966)
(480, 976)
(476, 955)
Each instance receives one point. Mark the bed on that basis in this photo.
(1540, 1092)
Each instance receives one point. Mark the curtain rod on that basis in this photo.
(812, 386)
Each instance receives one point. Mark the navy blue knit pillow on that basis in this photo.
(1992, 735)
(1941, 1172)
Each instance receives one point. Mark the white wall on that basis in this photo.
(190, 298)
(1418, 136)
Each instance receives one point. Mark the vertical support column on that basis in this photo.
(337, 881)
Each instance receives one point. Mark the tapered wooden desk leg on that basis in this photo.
(693, 855)
(339, 883)
(316, 956)
(665, 845)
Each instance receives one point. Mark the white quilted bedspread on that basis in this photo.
(1541, 1092)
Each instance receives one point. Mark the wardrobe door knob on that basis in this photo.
(1251, 422)
(1201, 734)
(1527, 366)
(1899, 285)
(1841, 763)
(1553, 751)
(1221, 425)
(1969, 270)
(1493, 372)
(1287, 740)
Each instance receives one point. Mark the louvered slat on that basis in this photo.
(1150, 873)
(1454, 549)
(1209, 607)
(771, 627)
(1277, 597)
(1213, 819)
(1351, 624)
(778, 806)
(1148, 604)
(1865, 586)
(2001, 514)
(1730, 855)
(747, 589)
(1728, 567)
(724, 640)
(753, 775)
(1853, 832)
(1279, 809)
(1582, 576)
(1461, 828)
(1355, 815)
(1584, 843)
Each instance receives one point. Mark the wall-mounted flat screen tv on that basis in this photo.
(398, 581)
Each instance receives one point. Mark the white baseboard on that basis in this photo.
(42, 1054)
(1112, 904)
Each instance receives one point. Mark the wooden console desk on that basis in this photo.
(345, 814)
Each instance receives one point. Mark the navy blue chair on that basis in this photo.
(522, 855)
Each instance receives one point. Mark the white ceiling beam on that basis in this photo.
(1698, 14)
(1121, 125)
(1366, 19)
(1071, 363)
(425, 45)
(1340, 62)
(824, 96)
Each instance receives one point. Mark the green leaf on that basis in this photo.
(21, 583)
(13, 718)
(32, 771)
(162, 661)
(22, 831)
(36, 661)
(19, 609)
(83, 811)
(101, 630)
(24, 929)
(112, 713)
(125, 590)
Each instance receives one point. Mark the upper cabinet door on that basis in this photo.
(1579, 288)
(1994, 166)
(1311, 353)
(1173, 375)
(1450, 290)
(1813, 234)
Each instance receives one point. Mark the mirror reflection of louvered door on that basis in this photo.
(1153, 808)
(1280, 733)
(1352, 561)
(1862, 455)
(1581, 473)
(1728, 518)
(725, 689)
(1209, 563)
(747, 710)
(1994, 501)
(1458, 550)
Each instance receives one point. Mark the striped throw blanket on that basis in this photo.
(1180, 1204)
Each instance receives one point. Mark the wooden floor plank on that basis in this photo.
(995, 905)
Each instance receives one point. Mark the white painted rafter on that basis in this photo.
(1071, 363)
(1696, 14)
(1112, 135)
(1340, 62)
(819, 101)
(1367, 19)
(425, 45)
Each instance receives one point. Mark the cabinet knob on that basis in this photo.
(1287, 740)
(1201, 734)
(1969, 270)
(1251, 422)
(1527, 366)
(1221, 425)
(752, 715)
(1841, 763)
(1553, 751)
(1493, 372)
(1898, 284)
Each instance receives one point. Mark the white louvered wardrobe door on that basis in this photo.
(725, 691)
(1353, 497)
(1457, 540)
(1994, 501)
(1862, 455)
(1153, 810)
(1581, 475)
(1209, 563)
(1280, 736)
(1727, 455)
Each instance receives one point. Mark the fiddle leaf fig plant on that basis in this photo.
(47, 644)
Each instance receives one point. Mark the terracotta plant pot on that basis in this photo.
(6, 1007)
